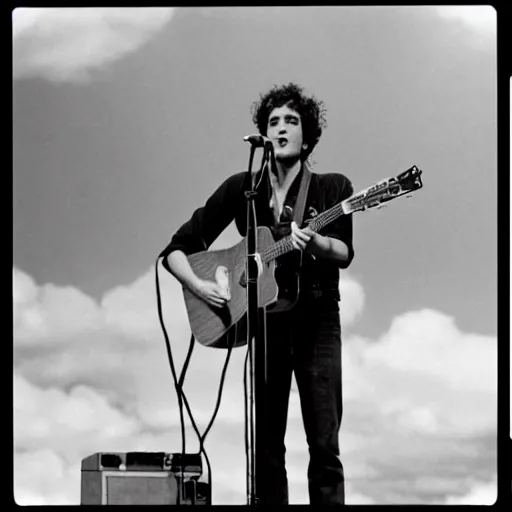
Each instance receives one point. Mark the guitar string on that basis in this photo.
(286, 245)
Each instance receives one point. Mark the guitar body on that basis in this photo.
(221, 327)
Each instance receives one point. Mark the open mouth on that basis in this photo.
(281, 141)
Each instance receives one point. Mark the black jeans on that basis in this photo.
(307, 341)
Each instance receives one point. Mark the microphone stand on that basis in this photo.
(256, 341)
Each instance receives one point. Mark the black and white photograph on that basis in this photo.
(255, 255)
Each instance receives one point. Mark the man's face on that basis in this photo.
(284, 129)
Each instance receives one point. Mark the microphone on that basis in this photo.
(257, 140)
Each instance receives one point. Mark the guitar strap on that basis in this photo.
(300, 202)
(289, 272)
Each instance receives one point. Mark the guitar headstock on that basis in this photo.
(385, 190)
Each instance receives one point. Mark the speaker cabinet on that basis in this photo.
(143, 478)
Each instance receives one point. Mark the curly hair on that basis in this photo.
(312, 112)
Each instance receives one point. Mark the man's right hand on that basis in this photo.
(211, 293)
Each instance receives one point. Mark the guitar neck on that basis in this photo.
(285, 244)
(385, 190)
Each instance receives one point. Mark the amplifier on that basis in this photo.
(143, 478)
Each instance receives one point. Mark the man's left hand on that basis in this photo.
(302, 239)
(319, 246)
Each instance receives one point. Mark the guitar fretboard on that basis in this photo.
(285, 244)
(384, 190)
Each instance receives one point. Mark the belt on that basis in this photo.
(317, 293)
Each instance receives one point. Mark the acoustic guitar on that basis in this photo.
(227, 326)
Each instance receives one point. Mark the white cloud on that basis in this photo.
(352, 299)
(68, 44)
(53, 431)
(42, 477)
(481, 20)
(50, 312)
(412, 404)
(480, 494)
(420, 402)
(53, 418)
(132, 309)
(432, 379)
(429, 342)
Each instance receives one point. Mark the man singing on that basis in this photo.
(305, 340)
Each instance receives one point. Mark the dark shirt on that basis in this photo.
(318, 276)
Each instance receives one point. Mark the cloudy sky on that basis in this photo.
(125, 120)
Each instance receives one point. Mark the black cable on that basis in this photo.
(264, 162)
(221, 385)
(246, 433)
(171, 361)
(201, 446)
(178, 383)
(179, 386)
(219, 396)
(223, 375)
